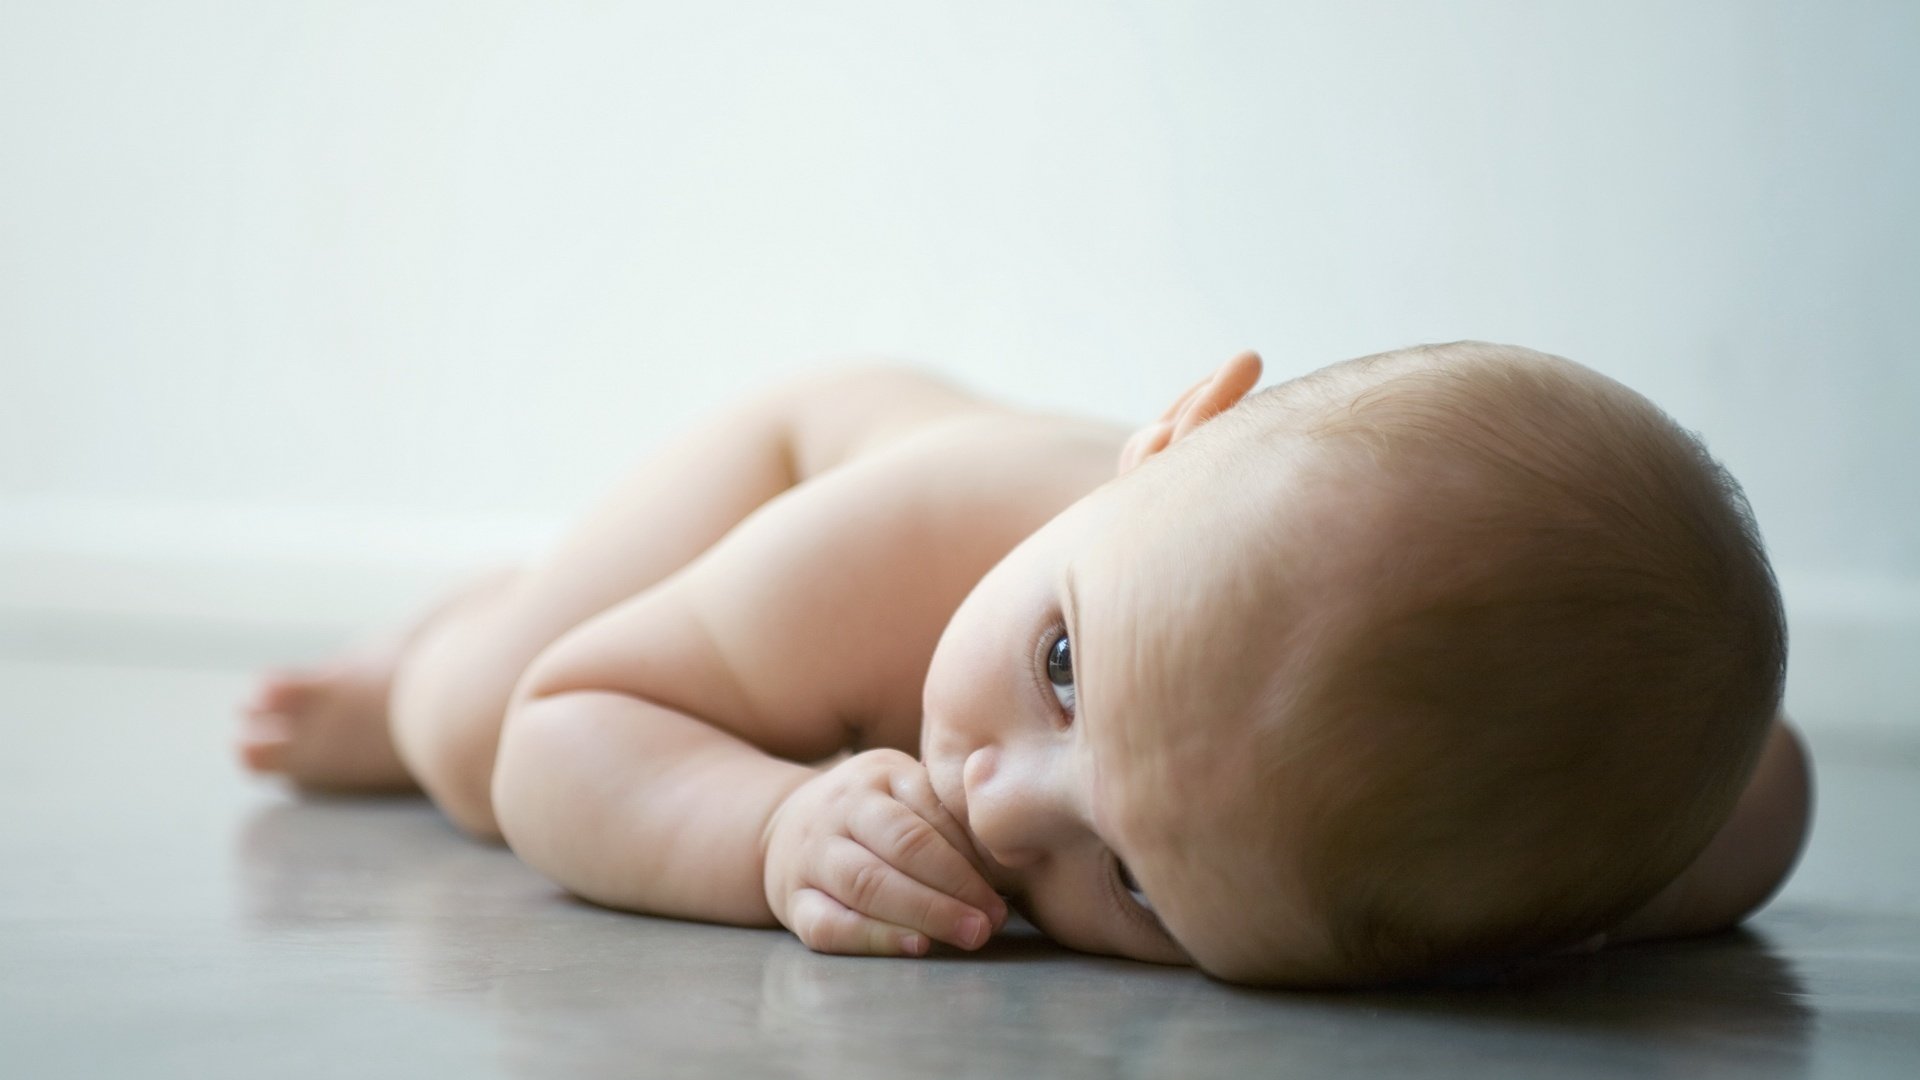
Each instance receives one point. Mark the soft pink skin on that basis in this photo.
(1005, 755)
(1013, 770)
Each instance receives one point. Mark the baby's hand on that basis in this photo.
(864, 859)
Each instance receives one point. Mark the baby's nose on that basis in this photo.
(1013, 810)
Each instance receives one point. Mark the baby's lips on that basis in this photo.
(973, 851)
(996, 875)
(996, 912)
(992, 873)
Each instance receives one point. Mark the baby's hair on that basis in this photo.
(1564, 652)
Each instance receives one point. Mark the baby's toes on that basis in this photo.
(263, 742)
(282, 691)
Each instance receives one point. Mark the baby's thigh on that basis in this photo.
(666, 510)
(451, 693)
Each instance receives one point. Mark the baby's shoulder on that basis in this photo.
(907, 436)
(994, 474)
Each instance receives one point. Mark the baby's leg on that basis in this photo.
(325, 726)
(451, 688)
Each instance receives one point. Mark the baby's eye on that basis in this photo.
(1060, 672)
(1132, 886)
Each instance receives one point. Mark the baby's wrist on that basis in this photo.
(772, 831)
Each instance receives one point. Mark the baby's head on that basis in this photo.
(1449, 655)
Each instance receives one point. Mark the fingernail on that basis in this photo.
(973, 931)
(913, 944)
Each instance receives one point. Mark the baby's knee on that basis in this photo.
(446, 708)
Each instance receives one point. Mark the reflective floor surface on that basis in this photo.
(161, 916)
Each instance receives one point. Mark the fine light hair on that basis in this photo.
(1559, 652)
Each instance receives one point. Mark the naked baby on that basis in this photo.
(1454, 655)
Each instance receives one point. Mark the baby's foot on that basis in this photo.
(325, 728)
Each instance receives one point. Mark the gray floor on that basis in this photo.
(160, 915)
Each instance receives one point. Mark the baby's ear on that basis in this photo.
(1204, 400)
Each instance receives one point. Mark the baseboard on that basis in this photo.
(221, 586)
(1853, 654)
(252, 586)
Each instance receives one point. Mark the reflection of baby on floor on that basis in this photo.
(1453, 655)
(541, 987)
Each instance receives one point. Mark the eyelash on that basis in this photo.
(1041, 647)
(1129, 902)
(1123, 896)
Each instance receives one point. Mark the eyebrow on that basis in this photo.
(1073, 631)
(1073, 602)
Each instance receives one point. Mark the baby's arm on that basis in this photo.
(1747, 860)
(635, 805)
(649, 759)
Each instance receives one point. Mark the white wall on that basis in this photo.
(377, 289)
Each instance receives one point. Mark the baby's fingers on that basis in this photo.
(824, 924)
(869, 884)
(908, 841)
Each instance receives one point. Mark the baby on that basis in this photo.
(1452, 656)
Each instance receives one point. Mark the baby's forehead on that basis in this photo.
(1178, 654)
(1200, 628)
